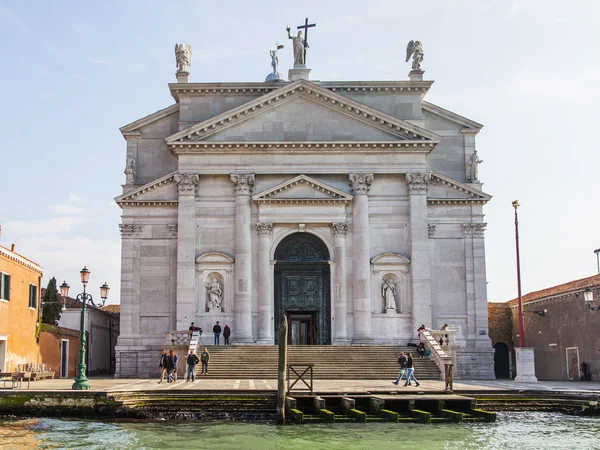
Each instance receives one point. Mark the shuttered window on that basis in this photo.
(32, 296)
(4, 286)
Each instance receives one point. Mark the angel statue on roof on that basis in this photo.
(183, 57)
(415, 49)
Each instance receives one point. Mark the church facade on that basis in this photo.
(352, 207)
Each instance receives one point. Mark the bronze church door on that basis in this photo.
(302, 289)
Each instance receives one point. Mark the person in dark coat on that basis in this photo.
(162, 365)
(205, 358)
(410, 371)
(217, 332)
(192, 360)
(170, 365)
(226, 334)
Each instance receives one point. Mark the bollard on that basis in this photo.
(448, 377)
(282, 364)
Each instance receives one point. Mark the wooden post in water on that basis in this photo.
(281, 368)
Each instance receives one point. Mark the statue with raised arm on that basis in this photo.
(388, 291)
(130, 171)
(215, 295)
(415, 49)
(274, 57)
(183, 57)
(473, 167)
(299, 47)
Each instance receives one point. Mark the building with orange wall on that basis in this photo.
(20, 287)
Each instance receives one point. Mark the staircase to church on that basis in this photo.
(331, 362)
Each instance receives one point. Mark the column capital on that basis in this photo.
(264, 229)
(361, 182)
(431, 229)
(339, 229)
(186, 182)
(417, 182)
(244, 182)
(475, 230)
(130, 230)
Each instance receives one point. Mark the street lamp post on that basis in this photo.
(81, 382)
(525, 357)
(521, 325)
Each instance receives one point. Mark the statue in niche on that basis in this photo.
(130, 171)
(215, 295)
(388, 291)
(415, 49)
(473, 167)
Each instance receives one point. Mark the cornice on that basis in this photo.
(141, 203)
(261, 88)
(129, 129)
(456, 201)
(334, 101)
(404, 146)
(476, 195)
(130, 196)
(337, 195)
(12, 256)
(451, 116)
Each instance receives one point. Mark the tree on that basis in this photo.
(51, 304)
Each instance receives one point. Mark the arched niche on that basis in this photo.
(214, 266)
(394, 267)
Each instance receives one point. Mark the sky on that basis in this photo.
(74, 72)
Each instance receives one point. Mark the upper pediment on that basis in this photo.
(445, 190)
(303, 111)
(302, 189)
(160, 192)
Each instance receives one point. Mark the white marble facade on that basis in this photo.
(372, 170)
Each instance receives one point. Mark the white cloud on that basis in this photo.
(23, 228)
(74, 198)
(68, 210)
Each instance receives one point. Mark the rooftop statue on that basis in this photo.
(183, 57)
(415, 49)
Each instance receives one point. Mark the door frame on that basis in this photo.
(578, 366)
(64, 348)
(3, 352)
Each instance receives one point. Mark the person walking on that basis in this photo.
(175, 360)
(170, 366)
(205, 358)
(410, 371)
(192, 360)
(402, 360)
(226, 334)
(217, 332)
(162, 365)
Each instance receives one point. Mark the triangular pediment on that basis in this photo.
(443, 189)
(303, 111)
(302, 189)
(162, 191)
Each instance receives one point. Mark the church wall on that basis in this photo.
(301, 120)
(405, 107)
(195, 109)
(448, 157)
(152, 157)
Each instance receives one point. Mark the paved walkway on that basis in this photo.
(115, 385)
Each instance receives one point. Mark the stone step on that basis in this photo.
(330, 362)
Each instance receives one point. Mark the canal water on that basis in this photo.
(523, 431)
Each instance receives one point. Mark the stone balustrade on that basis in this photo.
(173, 337)
(431, 340)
